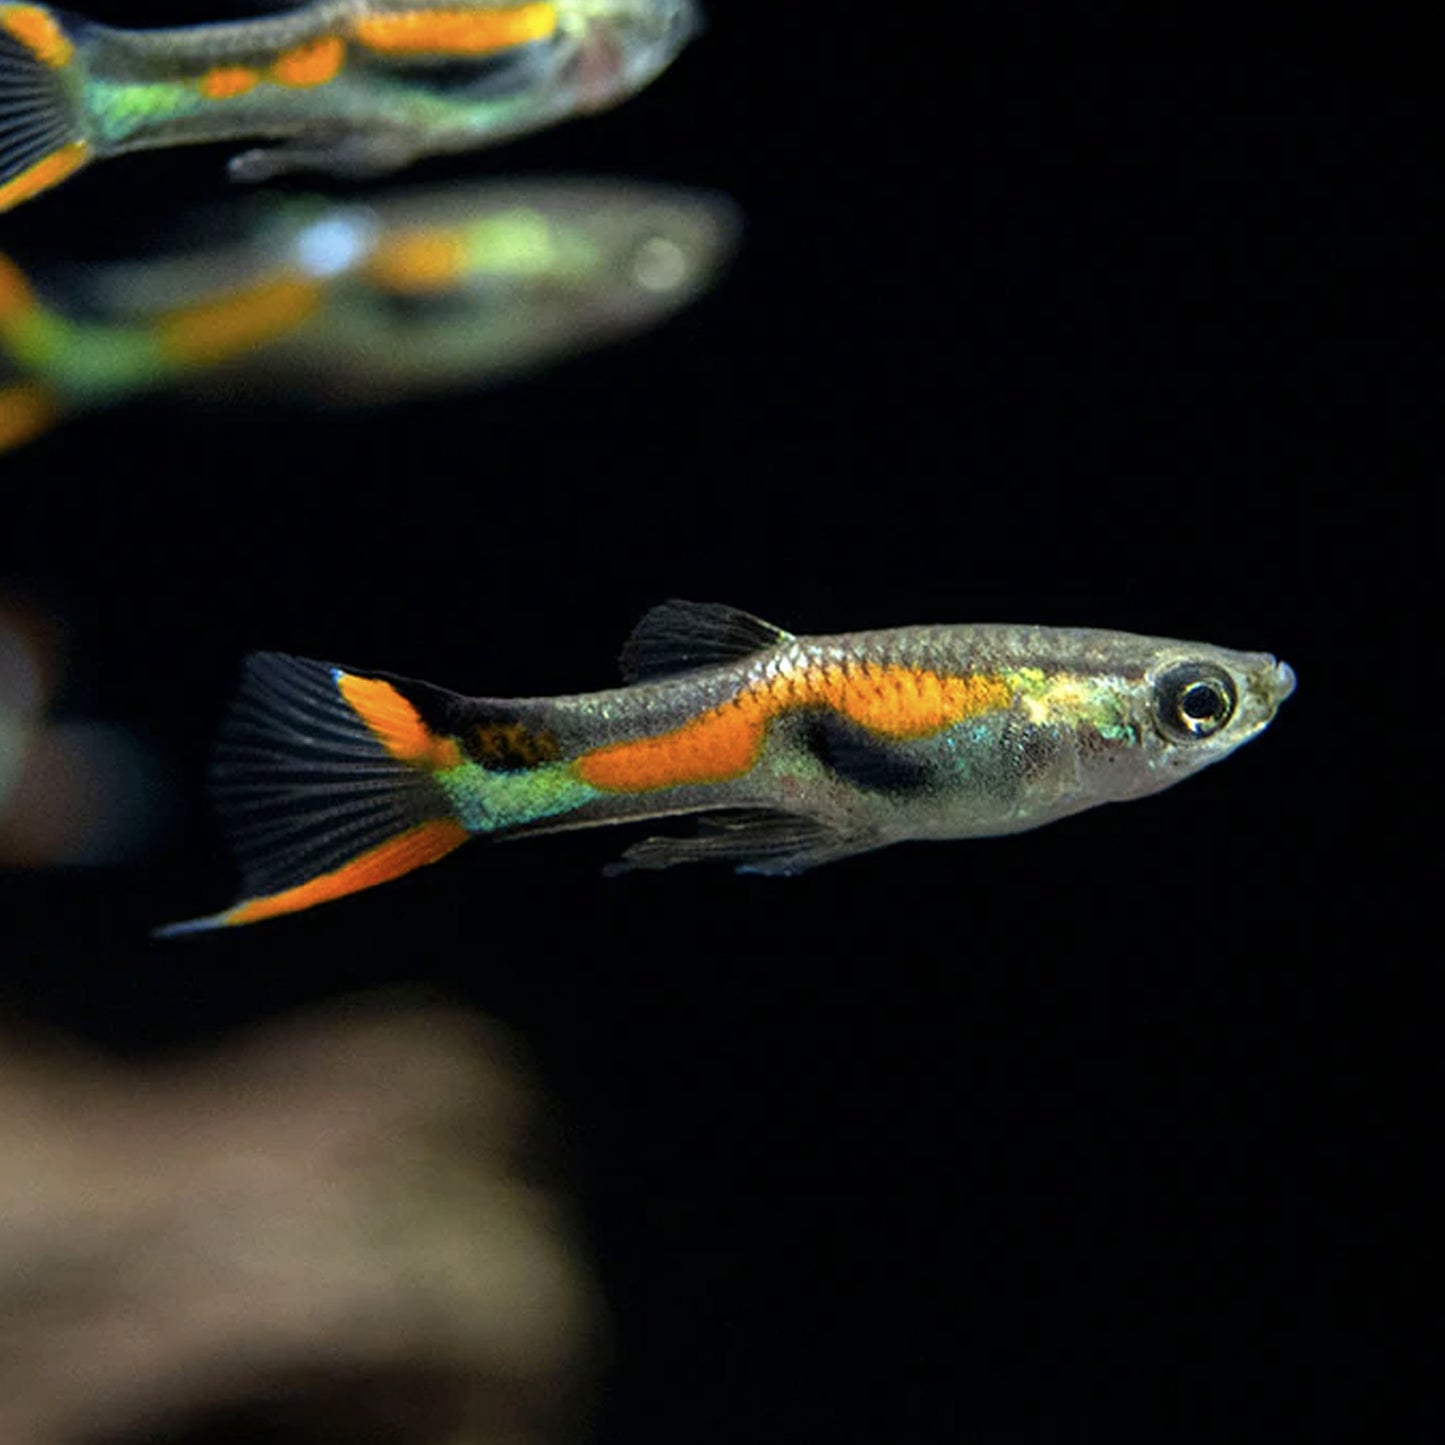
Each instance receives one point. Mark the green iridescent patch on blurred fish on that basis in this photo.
(354, 87)
(370, 302)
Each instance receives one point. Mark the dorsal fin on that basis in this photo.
(678, 636)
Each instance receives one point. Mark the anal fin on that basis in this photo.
(753, 840)
(353, 157)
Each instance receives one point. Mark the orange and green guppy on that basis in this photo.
(794, 750)
(354, 87)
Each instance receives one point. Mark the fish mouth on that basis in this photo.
(1271, 685)
(1281, 683)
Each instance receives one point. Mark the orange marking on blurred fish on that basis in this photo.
(455, 32)
(418, 261)
(36, 29)
(16, 297)
(226, 81)
(317, 62)
(26, 410)
(216, 330)
(47, 172)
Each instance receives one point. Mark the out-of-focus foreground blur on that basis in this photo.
(335, 1230)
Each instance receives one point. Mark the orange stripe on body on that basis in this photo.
(215, 331)
(228, 81)
(316, 62)
(396, 724)
(39, 32)
(897, 702)
(415, 262)
(455, 32)
(412, 849)
(26, 410)
(49, 171)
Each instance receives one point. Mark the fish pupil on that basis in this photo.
(1202, 702)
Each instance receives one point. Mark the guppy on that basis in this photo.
(795, 750)
(346, 303)
(355, 87)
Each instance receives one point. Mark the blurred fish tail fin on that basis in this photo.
(327, 783)
(42, 137)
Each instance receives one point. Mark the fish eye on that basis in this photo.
(659, 264)
(1194, 700)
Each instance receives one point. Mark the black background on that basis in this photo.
(1040, 1139)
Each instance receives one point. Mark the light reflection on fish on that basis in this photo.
(359, 303)
(796, 750)
(352, 87)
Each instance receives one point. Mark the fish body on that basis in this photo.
(795, 751)
(424, 291)
(354, 87)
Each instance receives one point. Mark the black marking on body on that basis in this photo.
(500, 738)
(509, 747)
(852, 753)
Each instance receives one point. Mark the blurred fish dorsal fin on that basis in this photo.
(678, 636)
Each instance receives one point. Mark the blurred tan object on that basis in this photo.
(335, 1228)
(72, 791)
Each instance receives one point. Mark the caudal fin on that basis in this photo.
(327, 783)
(41, 138)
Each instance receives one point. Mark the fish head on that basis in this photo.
(659, 248)
(1194, 705)
(591, 257)
(627, 44)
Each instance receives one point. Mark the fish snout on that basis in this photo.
(1281, 683)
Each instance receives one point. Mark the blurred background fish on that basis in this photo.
(347, 302)
(346, 88)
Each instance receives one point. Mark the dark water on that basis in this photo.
(1041, 1139)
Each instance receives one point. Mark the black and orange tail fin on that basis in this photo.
(327, 784)
(42, 140)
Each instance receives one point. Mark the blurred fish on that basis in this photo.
(354, 87)
(351, 303)
(800, 750)
(465, 287)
